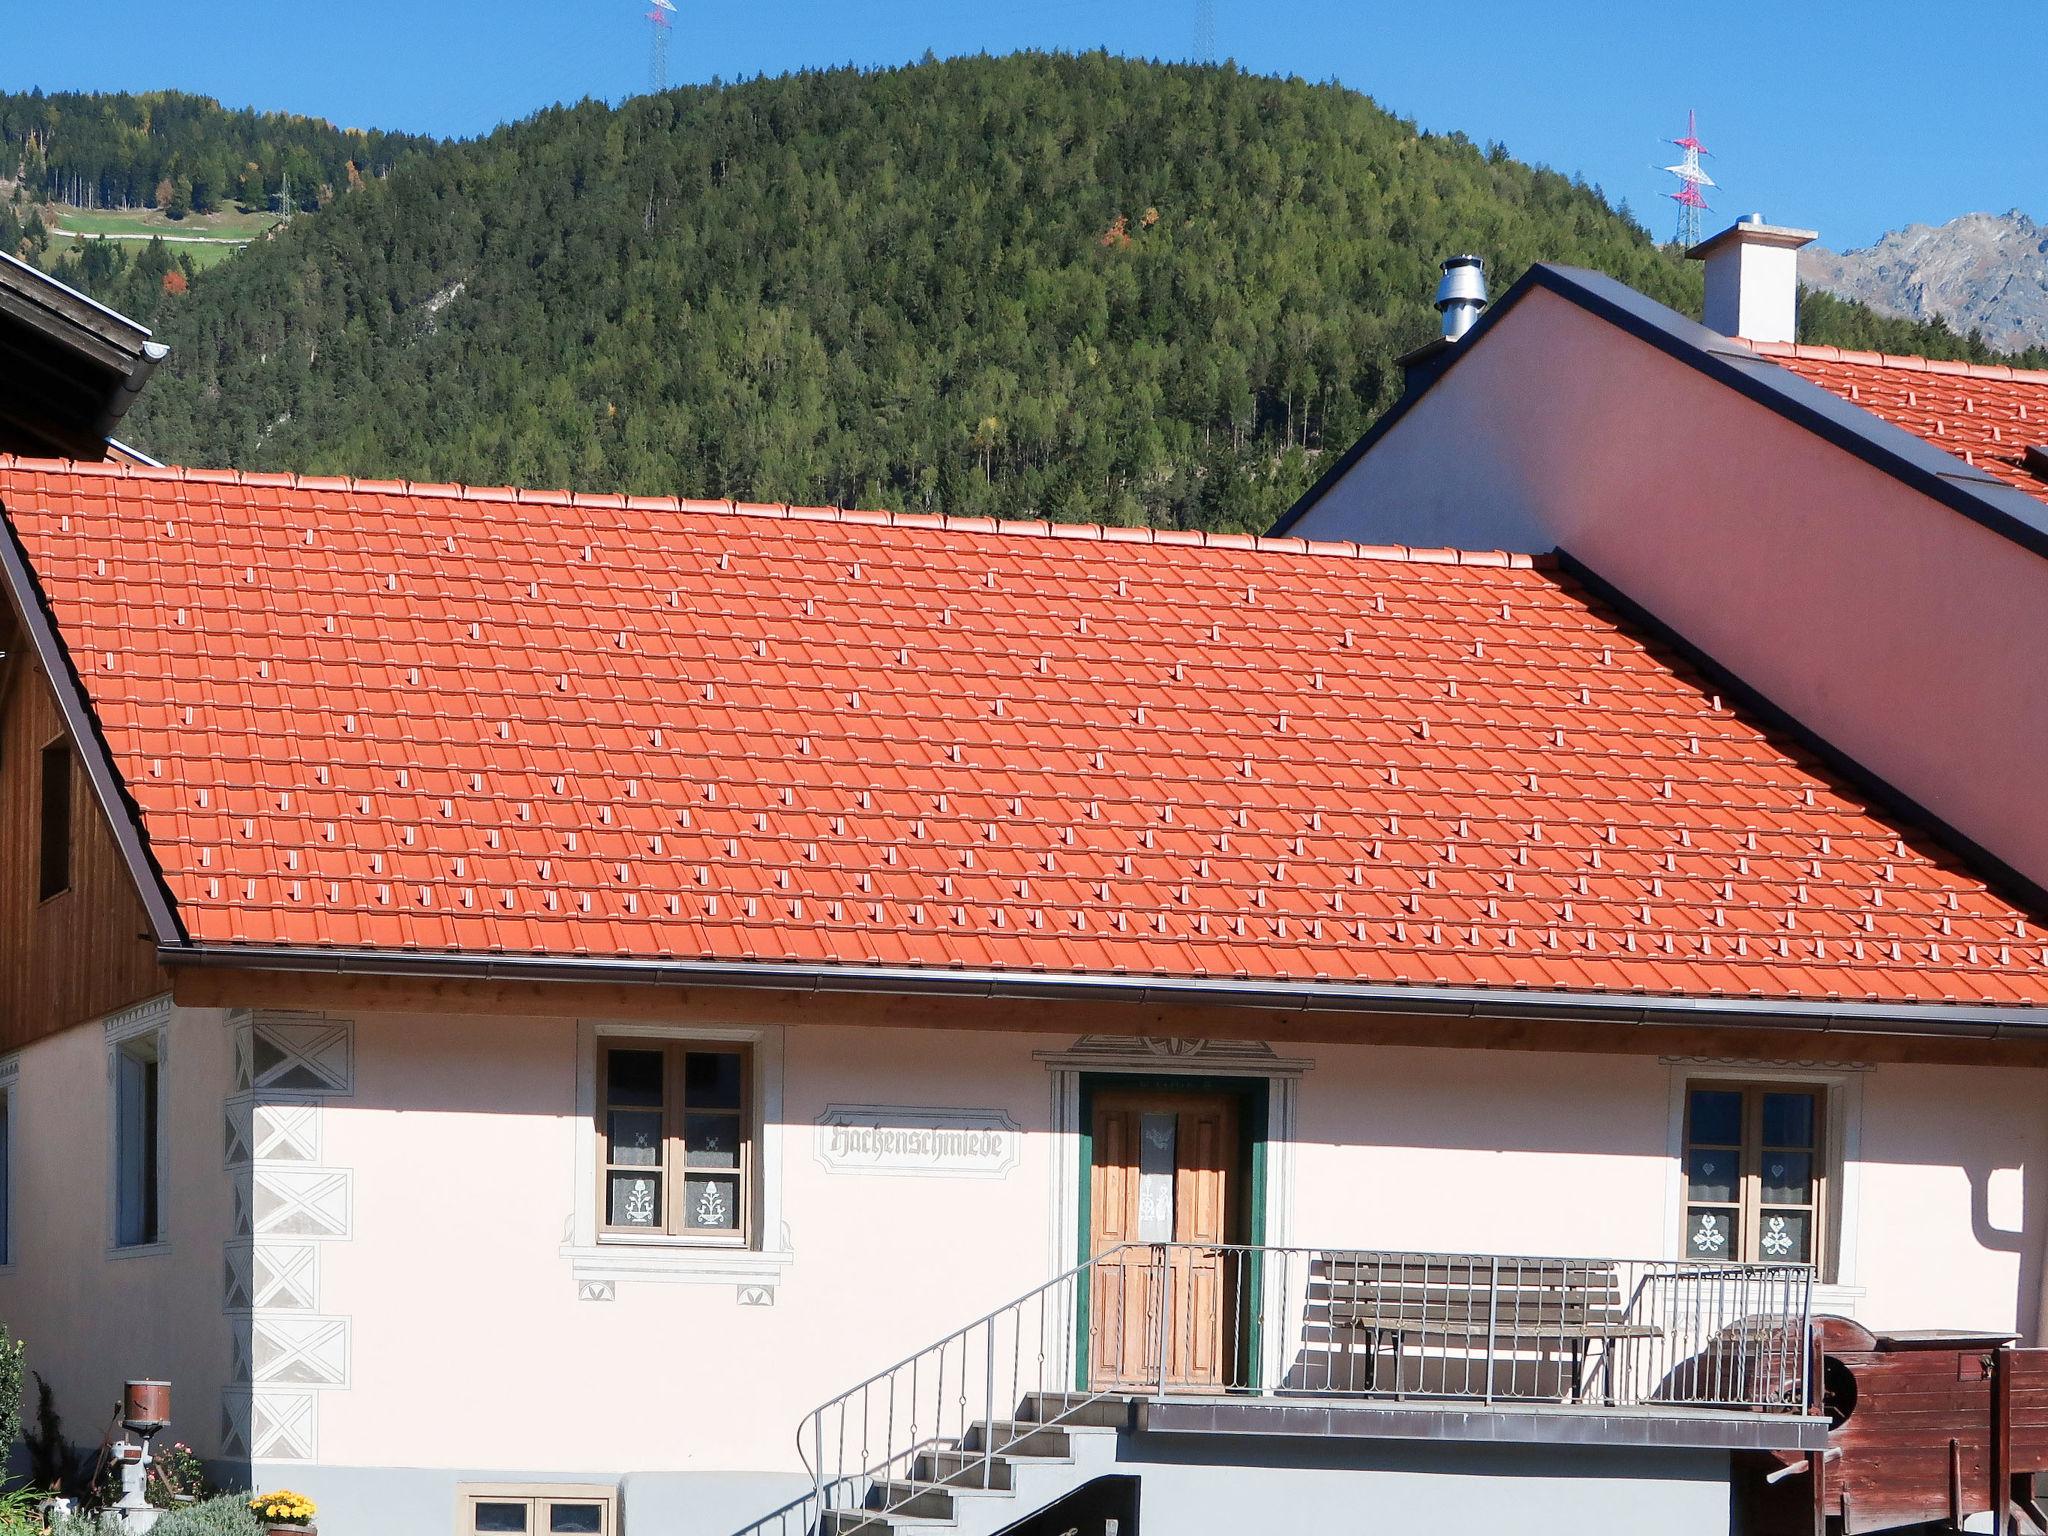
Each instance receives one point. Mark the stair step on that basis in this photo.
(1018, 1437)
(964, 1469)
(864, 1522)
(919, 1500)
(1076, 1408)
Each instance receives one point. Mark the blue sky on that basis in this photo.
(1849, 118)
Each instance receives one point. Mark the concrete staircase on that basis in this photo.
(1055, 1443)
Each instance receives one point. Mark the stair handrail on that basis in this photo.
(868, 1487)
(853, 1482)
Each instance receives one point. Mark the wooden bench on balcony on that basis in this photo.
(1464, 1309)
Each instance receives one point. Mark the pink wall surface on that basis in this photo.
(93, 1318)
(1469, 1151)
(460, 1136)
(1901, 631)
(1954, 1200)
(447, 1326)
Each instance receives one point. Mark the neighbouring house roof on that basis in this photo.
(69, 366)
(357, 716)
(1984, 492)
(1987, 416)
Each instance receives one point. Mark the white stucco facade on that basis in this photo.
(373, 1284)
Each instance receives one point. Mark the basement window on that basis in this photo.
(55, 864)
(566, 1509)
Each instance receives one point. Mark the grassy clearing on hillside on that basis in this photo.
(228, 224)
(202, 254)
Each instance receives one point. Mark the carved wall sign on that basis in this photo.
(911, 1139)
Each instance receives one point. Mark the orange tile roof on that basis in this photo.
(377, 715)
(1986, 416)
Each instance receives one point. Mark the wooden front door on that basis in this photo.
(1164, 1173)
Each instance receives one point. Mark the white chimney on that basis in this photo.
(1753, 279)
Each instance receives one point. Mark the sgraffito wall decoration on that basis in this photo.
(288, 1205)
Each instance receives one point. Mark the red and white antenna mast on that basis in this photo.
(657, 63)
(1692, 202)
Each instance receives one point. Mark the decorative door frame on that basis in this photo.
(1244, 1063)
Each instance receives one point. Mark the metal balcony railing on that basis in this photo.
(1253, 1321)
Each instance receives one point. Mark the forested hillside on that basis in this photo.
(1839, 322)
(69, 159)
(1075, 287)
(117, 150)
(1072, 287)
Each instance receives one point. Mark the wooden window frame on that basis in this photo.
(1748, 1204)
(56, 830)
(673, 1167)
(537, 1497)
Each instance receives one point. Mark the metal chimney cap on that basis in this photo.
(1461, 295)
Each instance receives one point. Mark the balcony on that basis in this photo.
(1182, 1339)
(1243, 1339)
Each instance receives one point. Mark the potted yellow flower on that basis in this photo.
(284, 1513)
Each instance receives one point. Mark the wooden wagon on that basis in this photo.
(1929, 1427)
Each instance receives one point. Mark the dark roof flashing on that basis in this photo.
(1981, 497)
(103, 357)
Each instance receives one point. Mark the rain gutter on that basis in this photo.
(1820, 1016)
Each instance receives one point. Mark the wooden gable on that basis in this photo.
(86, 950)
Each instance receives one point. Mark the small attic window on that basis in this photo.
(55, 864)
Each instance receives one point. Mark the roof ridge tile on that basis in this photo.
(1033, 528)
(1816, 352)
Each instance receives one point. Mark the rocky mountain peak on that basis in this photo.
(1982, 271)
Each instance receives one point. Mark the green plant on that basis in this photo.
(227, 1515)
(10, 1391)
(176, 1475)
(85, 1523)
(21, 1510)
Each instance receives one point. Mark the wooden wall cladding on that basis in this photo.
(87, 951)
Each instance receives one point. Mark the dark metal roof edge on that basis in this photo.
(123, 817)
(2003, 509)
(137, 334)
(1893, 803)
(1830, 1016)
(153, 353)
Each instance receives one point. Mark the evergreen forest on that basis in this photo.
(1076, 287)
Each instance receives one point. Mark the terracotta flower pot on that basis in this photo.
(281, 1528)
